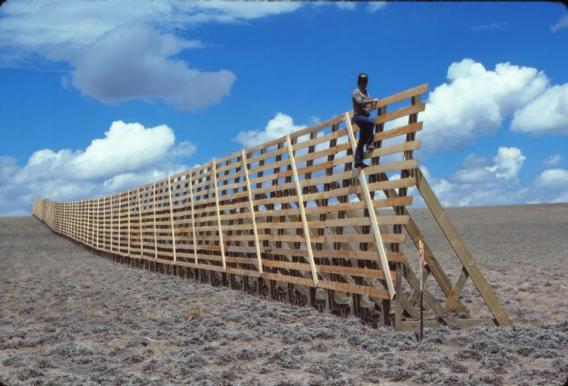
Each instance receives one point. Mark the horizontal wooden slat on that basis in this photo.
(355, 289)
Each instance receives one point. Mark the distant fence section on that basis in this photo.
(292, 219)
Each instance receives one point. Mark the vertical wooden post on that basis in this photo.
(154, 218)
(98, 221)
(43, 210)
(75, 220)
(105, 225)
(84, 221)
(192, 216)
(221, 242)
(72, 232)
(302, 211)
(76, 224)
(172, 218)
(128, 209)
(141, 235)
(92, 210)
(111, 223)
(119, 241)
(372, 215)
(251, 208)
(88, 222)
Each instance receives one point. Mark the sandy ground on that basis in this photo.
(68, 316)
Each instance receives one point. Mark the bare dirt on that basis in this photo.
(68, 316)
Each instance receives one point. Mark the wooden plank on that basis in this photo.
(251, 209)
(172, 218)
(221, 242)
(413, 109)
(354, 271)
(373, 169)
(119, 240)
(355, 289)
(128, 209)
(105, 248)
(429, 299)
(459, 248)
(82, 221)
(415, 235)
(113, 221)
(287, 279)
(401, 96)
(284, 264)
(372, 216)
(154, 221)
(140, 222)
(411, 128)
(302, 211)
(453, 297)
(192, 216)
(323, 138)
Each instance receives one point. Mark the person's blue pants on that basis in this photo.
(366, 126)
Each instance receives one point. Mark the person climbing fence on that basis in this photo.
(362, 106)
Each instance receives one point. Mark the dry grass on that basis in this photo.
(70, 317)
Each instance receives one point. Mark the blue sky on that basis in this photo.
(102, 96)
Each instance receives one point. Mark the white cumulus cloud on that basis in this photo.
(126, 51)
(480, 181)
(476, 100)
(277, 127)
(553, 178)
(108, 72)
(128, 155)
(508, 161)
(547, 114)
(126, 147)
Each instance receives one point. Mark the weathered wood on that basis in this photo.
(307, 238)
(249, 199)
(154, 221)
(372, 215)
(172, 218)
(251, 209)
(459, 248)
(128, 211)
(141, 234)
(119, 239)
(191, 199)
(453, 297)
(221, 242)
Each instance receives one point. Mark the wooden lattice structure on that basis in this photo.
(291, 219)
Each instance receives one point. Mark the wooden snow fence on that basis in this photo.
(291, 219)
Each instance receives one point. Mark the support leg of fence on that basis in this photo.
(302, 211)
(221, 242)
(372, 215)
(251, 208)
